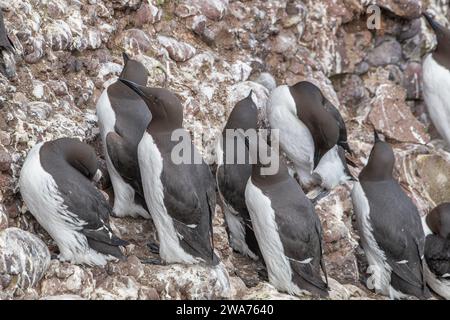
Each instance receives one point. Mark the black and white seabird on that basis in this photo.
(55, 183)
(312, 133)
(123, 118)
(180, 197)
(288, 231)
(436, 226)
(390, 228)
(232, 177)
(436, 80)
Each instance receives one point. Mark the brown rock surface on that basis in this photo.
(211, 53)
(391, 116)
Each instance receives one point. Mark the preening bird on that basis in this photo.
(55, 183)
(312, 133)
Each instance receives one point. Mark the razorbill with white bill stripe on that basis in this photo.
(232, 177)
(312, 133)
(436, 226)
(55, 183)
(181, 197)
(390, 228)
(123, 118)
(436, 80)
(288, 231)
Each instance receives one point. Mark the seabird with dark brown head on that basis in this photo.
(390, 228)
(288, 231)
(180, 195)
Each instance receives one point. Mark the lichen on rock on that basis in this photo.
(24, 259)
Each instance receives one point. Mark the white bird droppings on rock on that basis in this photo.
(24, 258)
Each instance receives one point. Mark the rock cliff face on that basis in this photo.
(210, 53)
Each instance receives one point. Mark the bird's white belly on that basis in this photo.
(436, 91)
(331, 169)
(294, 137)
(124, 204)
(266, 232)
(296, 141)
(151, 166)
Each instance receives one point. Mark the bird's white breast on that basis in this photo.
(105, 114)
(436, 91)
(331, 169)
(295, 138)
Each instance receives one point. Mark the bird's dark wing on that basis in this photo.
(231, 181)
(341, 124)
(404, 257)
(437, 255)
(300, 234)
(211, 200)
(321, 145)
(189, 197)
(398, 231)
(301, 244)
(124, 159)
(91, 208)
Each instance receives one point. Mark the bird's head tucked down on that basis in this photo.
(310, 104)
(80, 156)
(164, 106)
(438, 220)
(380, 165)
(134, 71)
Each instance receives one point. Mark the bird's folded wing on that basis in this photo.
(124, 160)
